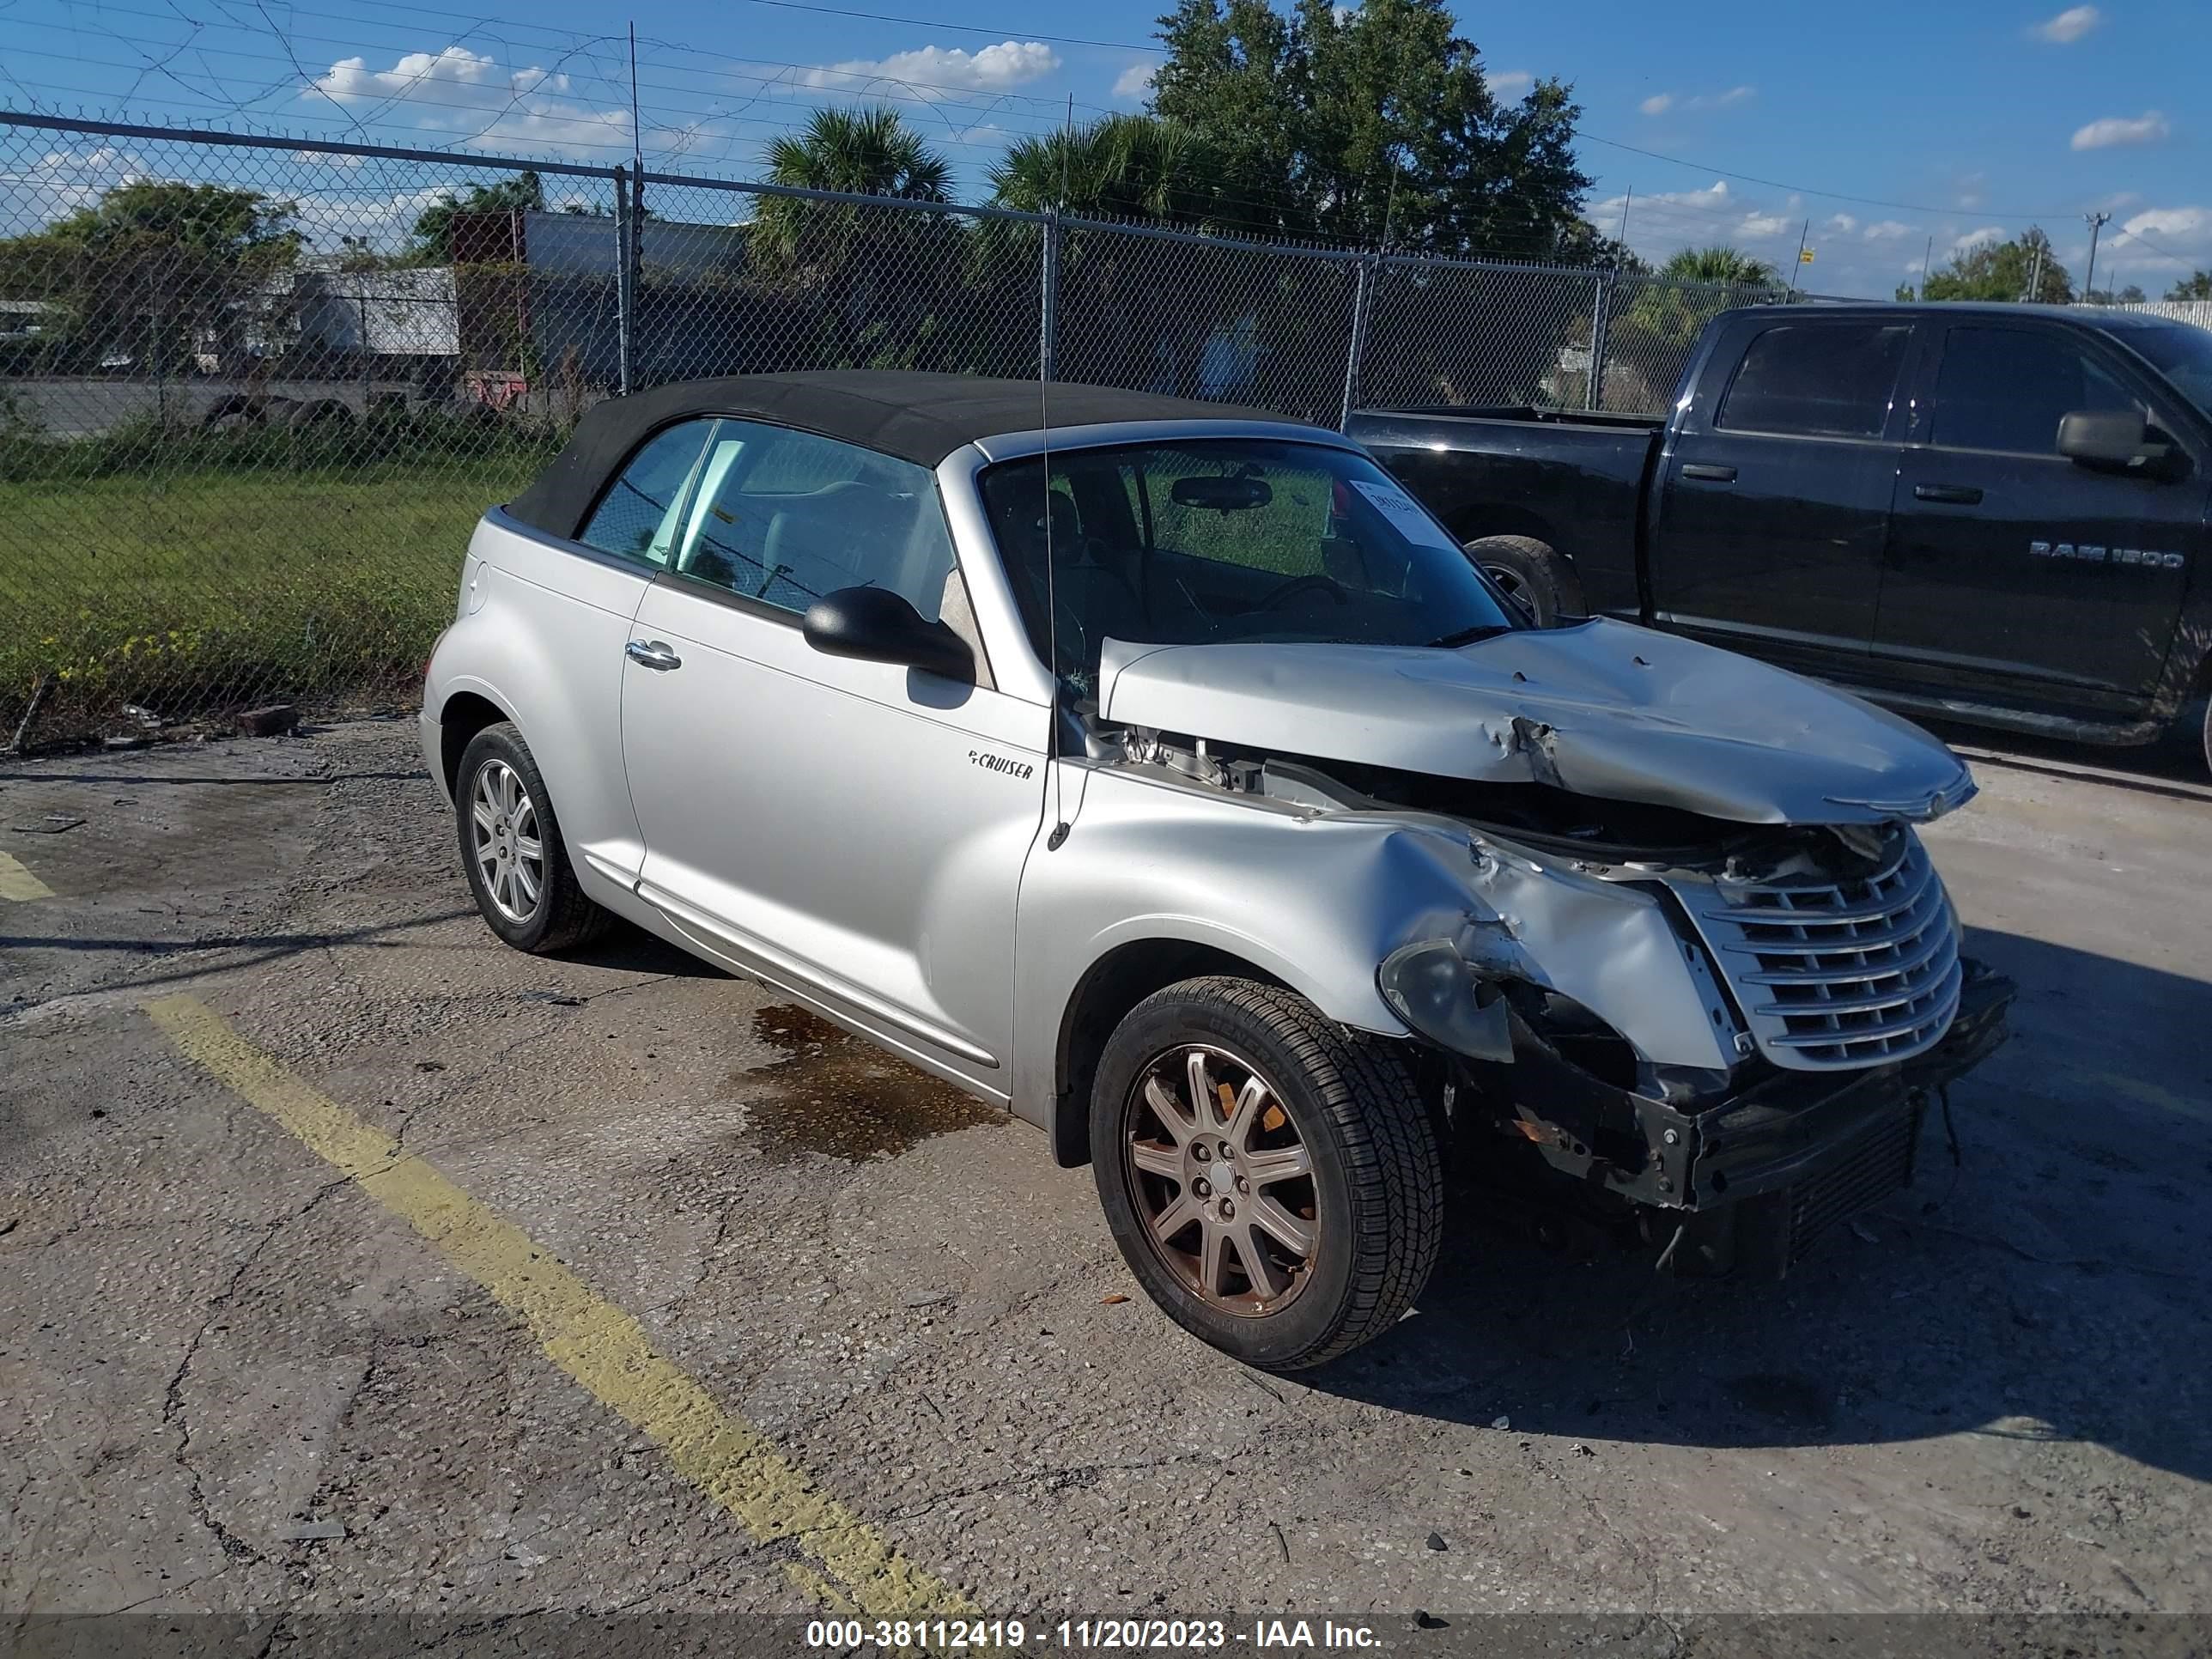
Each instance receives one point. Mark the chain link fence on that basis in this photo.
(254, 392)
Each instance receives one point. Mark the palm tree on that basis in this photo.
(1121, 166)
(1719, 264)
(862, 152)
(863, 277)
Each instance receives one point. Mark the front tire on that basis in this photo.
(511, 847)
(1271, 1178)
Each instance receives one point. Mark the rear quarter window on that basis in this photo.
(1816, 380)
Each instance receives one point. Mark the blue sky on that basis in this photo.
(1882, 126)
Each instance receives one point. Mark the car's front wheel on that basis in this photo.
(1273, 1179)
(511, 847)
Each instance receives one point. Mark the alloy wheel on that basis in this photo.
(510, 855)
(1223, 1180)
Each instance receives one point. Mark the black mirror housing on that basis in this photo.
(873, 624)
(2107, 438)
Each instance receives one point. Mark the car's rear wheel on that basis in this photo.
(1528, 572)
(511, 847)
(1271, 1178)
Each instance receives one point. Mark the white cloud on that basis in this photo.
(2148, 128)
(382, 222)
(1887, 230)
(1842, 224)
(1975, 238)
(932, 72)
(2188, 228)
(455, 76)
(1135, 82)
(1660, 103)
(1510, 83)
(2068, 25)
(456, 90)
(1758, 227)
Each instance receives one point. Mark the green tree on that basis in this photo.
(2195, 286)
(862, 152)
(1371, 124)
(1719, 264)
(878, 287)
(2002, 270)
(1583, 244)
(857, 152)
(1123, 166)
(157, 269)
(433, 244)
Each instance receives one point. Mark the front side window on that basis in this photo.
(1226, 541)
(2007, 388)
(786, 517)
(2181, 353)
(1816, 380)
(637, 517)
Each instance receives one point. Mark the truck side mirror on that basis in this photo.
(874, 624)
(2109, 438)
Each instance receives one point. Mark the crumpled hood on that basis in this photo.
(1602, 709)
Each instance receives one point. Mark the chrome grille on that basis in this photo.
(1834, 974)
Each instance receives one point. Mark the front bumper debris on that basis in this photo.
(1754, 1176)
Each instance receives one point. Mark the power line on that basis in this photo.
(1807, 190)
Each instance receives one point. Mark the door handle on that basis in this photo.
(1956, 495)
(1708, 472)
(651, 653)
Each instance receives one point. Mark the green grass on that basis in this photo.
(194, 590)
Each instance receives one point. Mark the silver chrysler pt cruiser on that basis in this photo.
(1163, 773)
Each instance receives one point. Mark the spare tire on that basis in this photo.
(1530, 573)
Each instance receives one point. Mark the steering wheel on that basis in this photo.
(1315, 580)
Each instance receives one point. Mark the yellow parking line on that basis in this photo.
(595, 1342)
(18, 883)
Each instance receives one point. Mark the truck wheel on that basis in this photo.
(1271, 1178)
(1530, 572)
(2204, 731)
(511, 848)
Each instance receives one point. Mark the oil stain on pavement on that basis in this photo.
(838, 1096)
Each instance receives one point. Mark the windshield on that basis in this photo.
(2183, 353)
(1229, 540)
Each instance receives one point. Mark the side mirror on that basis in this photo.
(874, 624)
(2109, 438)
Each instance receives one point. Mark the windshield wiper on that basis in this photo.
(1469, 636)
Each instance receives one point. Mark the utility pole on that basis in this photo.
(1803, 235)
(2096, 222)
(1626, 202)
(2034, 276)
(1927, 259)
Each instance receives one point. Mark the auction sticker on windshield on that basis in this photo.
(1404, 515)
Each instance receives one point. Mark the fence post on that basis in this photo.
(1600, 317)
(1368, 267)
(1048, 297)
(625, 285)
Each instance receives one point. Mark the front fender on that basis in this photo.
(1319, 900)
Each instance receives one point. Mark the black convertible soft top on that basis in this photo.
(917, 418)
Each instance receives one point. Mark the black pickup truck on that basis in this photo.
(2000, 515)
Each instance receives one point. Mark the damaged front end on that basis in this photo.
(1720, 1036)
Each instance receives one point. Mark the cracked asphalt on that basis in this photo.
(241, 1378)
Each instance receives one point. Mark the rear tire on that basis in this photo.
(512, 851)
(1325, 1143)
(1530, 572)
